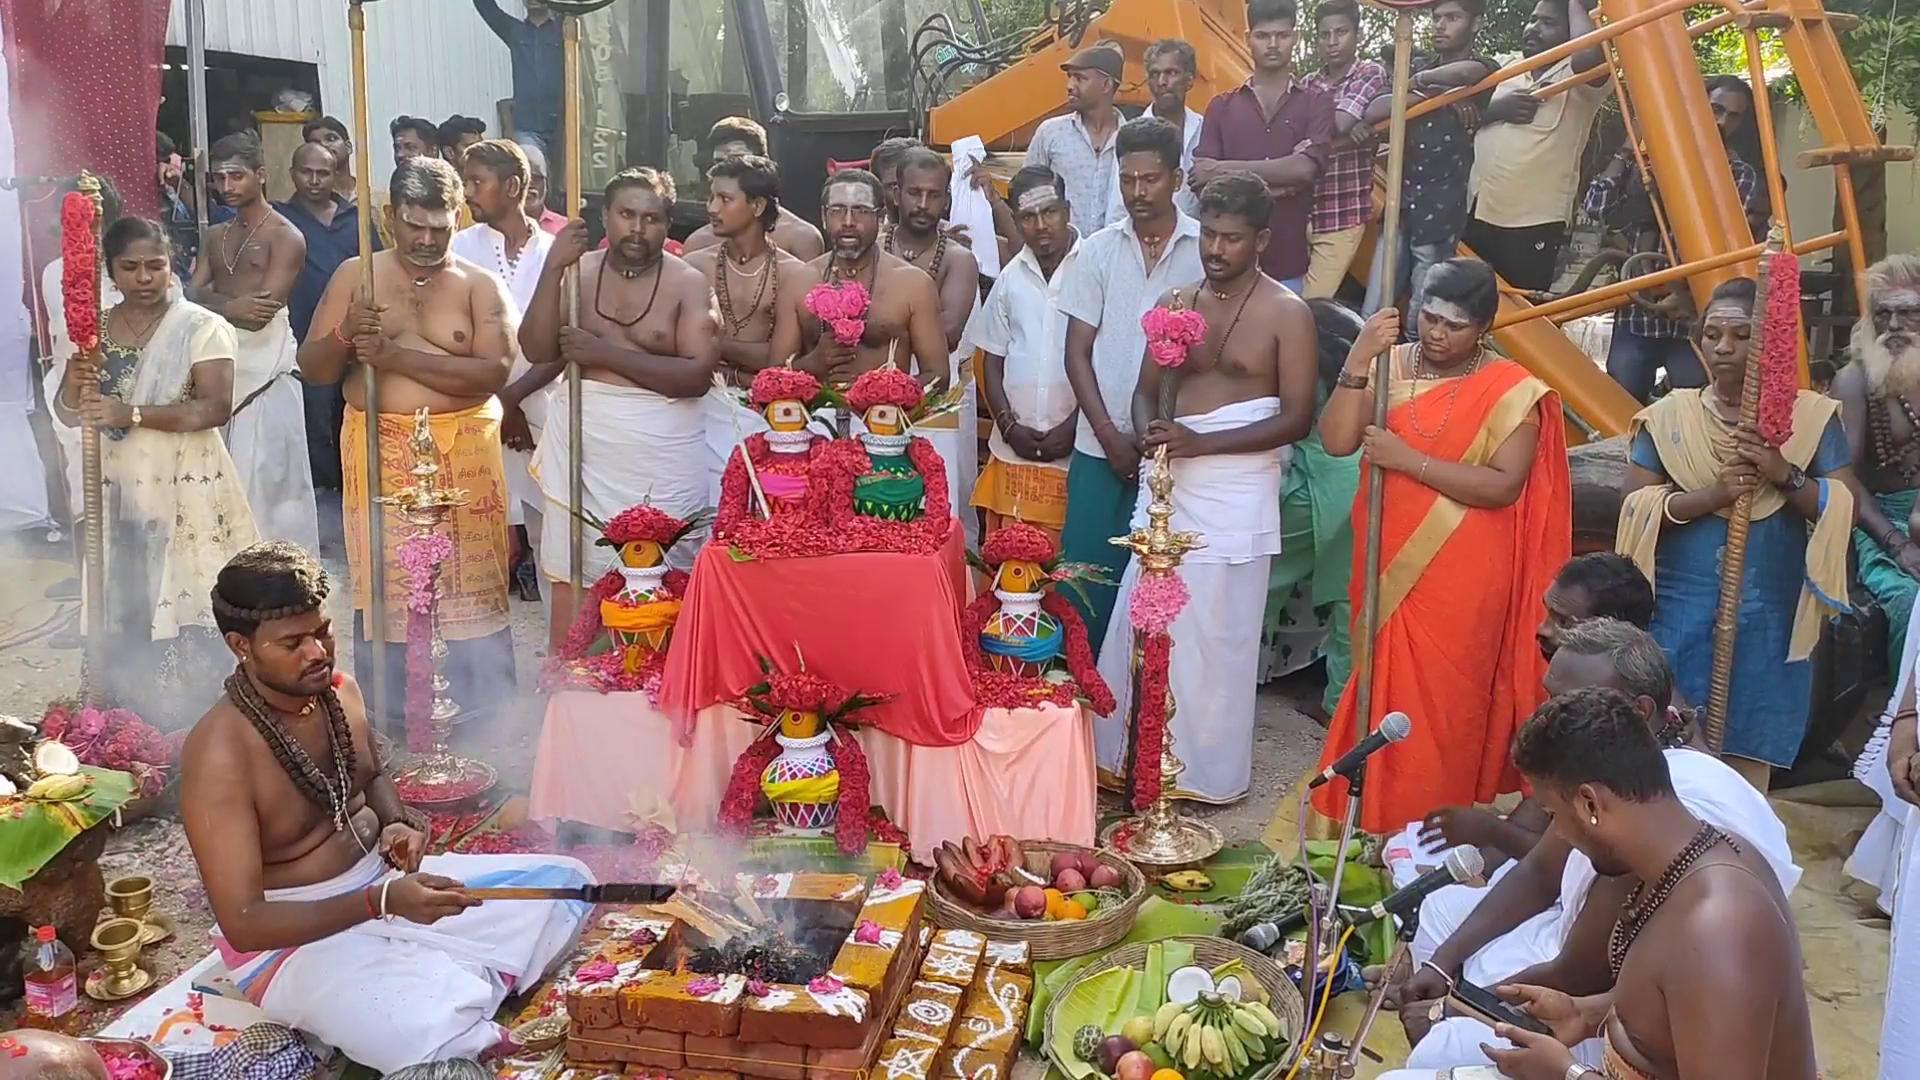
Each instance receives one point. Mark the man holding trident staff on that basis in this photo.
(426, 330)
(1466, 512)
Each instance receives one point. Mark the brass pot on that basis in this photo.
(131, 897)
(118, 943)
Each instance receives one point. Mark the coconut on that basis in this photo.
(1187, 984)
(52, 758)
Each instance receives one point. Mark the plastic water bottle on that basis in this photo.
(53, 988)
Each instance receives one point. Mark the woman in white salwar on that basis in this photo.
(174, 508)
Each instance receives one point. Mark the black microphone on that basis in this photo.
(1463, 864)
(1395, 727)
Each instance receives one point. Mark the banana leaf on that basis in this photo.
(34, 831)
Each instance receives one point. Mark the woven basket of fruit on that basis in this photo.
(1061, 899)
(1205, 1008)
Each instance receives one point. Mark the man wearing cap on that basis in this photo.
(1079, 147)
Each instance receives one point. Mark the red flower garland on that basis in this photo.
(419, 699)
(1018, 540)
(856, 783)
(973, 623)
(885, 386)
(80, 270)
(743, 785)
(1080, 659)
(572, 669)
(1780, 349)
(1150, 720)
(782, 384)
(830, 526)
(586, 627)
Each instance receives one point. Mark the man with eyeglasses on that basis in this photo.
(902, 320)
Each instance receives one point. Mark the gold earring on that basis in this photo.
(1593, 819)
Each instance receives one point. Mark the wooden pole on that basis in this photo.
(1733, 561)
(1388, 270)
(94, 549)
(376, 568)
(576, 206)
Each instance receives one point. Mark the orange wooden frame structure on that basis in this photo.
(1650, 50)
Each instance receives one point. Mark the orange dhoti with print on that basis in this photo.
(1461, 593)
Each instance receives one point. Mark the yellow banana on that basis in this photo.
(57, 788)
(1163, 1020)
(1176, 1030)
(1247, 1020)
(1266, 1017)
(1236, 1052)
(1187, 881)
(1212, 1046)
(1192, 1054)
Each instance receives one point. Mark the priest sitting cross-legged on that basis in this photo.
(315, 869)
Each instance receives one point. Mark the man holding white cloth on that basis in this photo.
(1241, 398)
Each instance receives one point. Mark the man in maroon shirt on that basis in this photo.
(1277, 128)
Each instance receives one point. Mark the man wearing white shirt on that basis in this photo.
(1119, 272)
(1527, 153)
(514, 248)
(1022, 336)
(1171, 69)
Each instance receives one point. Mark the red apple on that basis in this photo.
(1105, 877)
(1070, 882)
(1063, 860)
(1029, 902)
(1135, 1065)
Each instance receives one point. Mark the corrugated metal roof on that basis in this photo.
(429, 58)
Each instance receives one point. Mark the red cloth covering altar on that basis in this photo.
(876, 622)
(610, 760)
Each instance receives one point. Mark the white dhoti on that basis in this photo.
(955, 436)
(1233, 500)
(392, 993)
(268, 435)
(1900, 1027)
(522, 492)
(641, 447)
(1876, 858)
(1709, 789)
(728, 424)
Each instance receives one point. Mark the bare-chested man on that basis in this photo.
(737, 136)
(756, 284)
(248, 270)
(1702, 975)
(903, 314)
(1242, 398)
(439, 335)
(314, 867)
(647, 346)
(1880, 405)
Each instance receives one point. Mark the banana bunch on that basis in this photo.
(1187, 881)
(58, 788)
(1223, 1036)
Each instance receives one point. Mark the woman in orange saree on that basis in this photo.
(1477, 519)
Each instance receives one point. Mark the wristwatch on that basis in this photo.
(1350, 381)
(133, 418)
(1796, 479)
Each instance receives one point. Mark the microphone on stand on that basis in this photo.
(1396, 726)
(1463, 864)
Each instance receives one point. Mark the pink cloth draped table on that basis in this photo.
(875, 622)
(605, 759)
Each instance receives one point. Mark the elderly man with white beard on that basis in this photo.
(1880, 405)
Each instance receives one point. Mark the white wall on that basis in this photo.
(427, 58)
(1810, 192)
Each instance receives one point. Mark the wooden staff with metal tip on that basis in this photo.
(570, 288)
(1733, 561)
(376, 568)
(1387, 272)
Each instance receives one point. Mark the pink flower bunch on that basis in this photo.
(1157, 600)
(1171, 332)
(598, 970)
(420, 556)
(758, 988)
(841, 308)
(703, 986)
(825, 984)
(1780, 349)
(867, 933)
(113, 739)
(889, 879)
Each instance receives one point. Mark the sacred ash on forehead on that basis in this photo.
(421, 218)
(849, 193)
(1034, 200)
(1446, 311)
